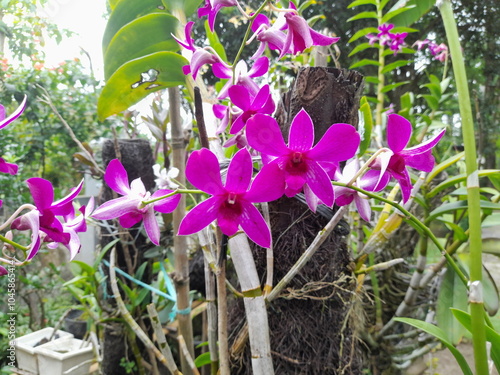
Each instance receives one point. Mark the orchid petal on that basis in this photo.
(363, 207)
(264, 135)
(254, 225)
(70, 197)
(130, 219)
(32, 220)
(6, 121)
(116, 177)
(3, 271)
(137, 187)
(166, 205)
(406, 187)
(320, 183)
(301, 135)
(311, 199)
(322, 40)
(259, 67)
(339, 143)
(239, 173)
(203, 171)
(423, 162)
(343, 195)
(220, 70)
(199, 216)
(374, 181)
(9, 168)
(398, 132)
(240, 96)
(151, 226)
(115, 208)
(268, 185)
(425, 146)
(42, 192)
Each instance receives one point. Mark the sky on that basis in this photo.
(84, 17)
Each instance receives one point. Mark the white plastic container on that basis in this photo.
(25, 347)
(67, 355)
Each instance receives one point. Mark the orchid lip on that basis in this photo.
(231, 198)
(297, 157)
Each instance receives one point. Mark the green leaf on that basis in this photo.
(361, 47)
(113, 3)
(215, 43)
(392, 86)
(84, 267)
(363, 32)
(393, 13)
(366, 131)
(395, 65)
(203, 359)
(452, 293)
(373, 80)
(188, 7)
(412, 15)
(439, 334)
(143, 36)
(361, 2)
(432, 102)
(363, 15)
(434, 89)
(138, 78)
(456, 179)
(363, 63)
(491, 335)
(455, 206)
(125, 12)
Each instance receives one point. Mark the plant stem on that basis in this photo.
(381, 77)
(473, 194)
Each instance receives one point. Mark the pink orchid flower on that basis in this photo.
(395, 161)
(129, 209)
(268, 36)
(212, 7)
(243, 76)
(299, 160)
(231, 204)
(6, 167)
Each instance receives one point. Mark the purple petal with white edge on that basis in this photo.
(254, 225)
(320, 183)
(259, 68)
(68, 198)
(263, 100)
(322, 40)
(41, 191)
(398, 132)
(201, 57)
(137, 187)
(339, 143)
(311, 199)
(239, 173)
(264, 135)
(220, 70)
(240, 96)
(383, 162)
(9, 168)
(301, 136)
(130, 219)
(6, 121)
(116, 177)
(32, 220)
(343, 195)
(374, 181)
(268, 185)
(167, 205)
(425, 146)
(115, 208)
(151, 226)
(74, 244)
(200, 216)
(203, 171)
(349, 171)
(260, 20)
(188, 43)
(363, 207)
(423, 162)
(405, 184)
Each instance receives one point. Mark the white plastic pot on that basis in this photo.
(64, 356)
(26, 345)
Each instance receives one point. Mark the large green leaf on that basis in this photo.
(452, 293)
(409, 17)
(458, 179)
(439, 334)
(187, 7)
(460, 205)
(145, 35)
(125, 12)
(136, 79)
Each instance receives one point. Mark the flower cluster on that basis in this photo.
(440, 52)
(385, 37)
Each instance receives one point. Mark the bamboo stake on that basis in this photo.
(181, 274)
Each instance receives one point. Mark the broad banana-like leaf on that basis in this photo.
(143, 36)
(138, 78)
(410, 16)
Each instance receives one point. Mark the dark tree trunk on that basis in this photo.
(311, 323)
(136, 156)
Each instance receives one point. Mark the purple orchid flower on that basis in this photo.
(300, 161)
(31, 221)
(227, 114)
(395, 161)
(212, 7)
(385, 36)
(231, 203)
(261, 103)
(200, 56)
(300, 36)
(397, 42)
(6, 167)
(129, 209)
(369, 182)
(243, 76)
(268, 36)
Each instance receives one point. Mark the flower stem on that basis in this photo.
(15, 244)
(473, 194)
(178, 191)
